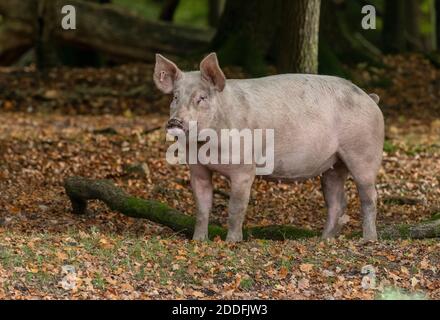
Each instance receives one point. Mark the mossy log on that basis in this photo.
(80, 190)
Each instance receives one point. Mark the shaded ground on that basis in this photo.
(47, 252)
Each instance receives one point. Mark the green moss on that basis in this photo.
(117, 199)
(404, 231)
(279, 233)
(161, 213)
(158, 212)
(435, 216)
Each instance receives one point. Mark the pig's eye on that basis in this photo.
(175, 97)
(202, 98)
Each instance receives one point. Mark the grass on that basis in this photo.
(111, 262)
(99, 282)
(409, 148)
(246, 283)
(389, 147)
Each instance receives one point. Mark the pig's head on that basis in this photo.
(196, 94)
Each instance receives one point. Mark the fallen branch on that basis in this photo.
(402, 200)
(151, 130)
(80, 190)
(108, 29)
(15, 40)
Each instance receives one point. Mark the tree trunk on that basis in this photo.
(393, 33)
(168, 10)
(298, 51)
(246, 33)
(215, 9)
(46, 49)
(80, 190)
(412, 20)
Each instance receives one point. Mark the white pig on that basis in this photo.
(323, 126)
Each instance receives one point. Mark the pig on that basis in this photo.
(324, 126)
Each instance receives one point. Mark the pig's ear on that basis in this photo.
(212, 73)
(165, 74)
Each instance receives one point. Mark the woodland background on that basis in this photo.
(82, 103)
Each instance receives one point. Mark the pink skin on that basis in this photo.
(323, 126)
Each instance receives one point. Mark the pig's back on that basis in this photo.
(312, 116)
(297, 98)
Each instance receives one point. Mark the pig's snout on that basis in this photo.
(175, 127)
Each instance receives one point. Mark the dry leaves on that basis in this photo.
(47, 252)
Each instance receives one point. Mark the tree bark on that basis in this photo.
(46, 49)
(393, 33)
(298, 49)
(168, 10)
(80, 190)
(342, 41)
(110, 30)
(246, 33)
(412, 22)
(214, 14)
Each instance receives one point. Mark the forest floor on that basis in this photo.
(108, 123)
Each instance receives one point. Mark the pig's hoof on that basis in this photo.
(369, 235)
(370, 238)
(200, 237)
(234, 238)
(329, 235)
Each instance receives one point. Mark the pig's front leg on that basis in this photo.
(240, 192)
(201, 183)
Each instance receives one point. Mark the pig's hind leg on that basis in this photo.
(333, 182)
(364, 168)
(241, 185)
